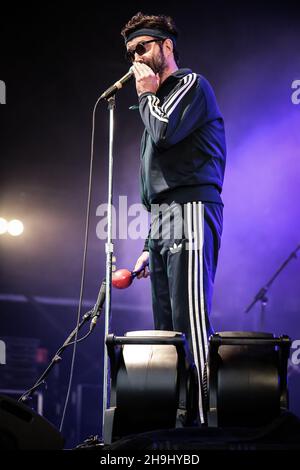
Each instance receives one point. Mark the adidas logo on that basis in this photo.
(175, 248)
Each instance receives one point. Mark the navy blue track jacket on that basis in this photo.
(183, 149)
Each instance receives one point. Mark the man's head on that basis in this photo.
(152, 40)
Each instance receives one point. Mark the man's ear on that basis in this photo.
(168, 43)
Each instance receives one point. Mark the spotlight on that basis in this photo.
(3, 226)
(15, 228)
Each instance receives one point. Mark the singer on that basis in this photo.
(183, 154)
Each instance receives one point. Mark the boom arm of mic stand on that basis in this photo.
(261, 295)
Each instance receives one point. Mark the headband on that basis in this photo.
(157, 33)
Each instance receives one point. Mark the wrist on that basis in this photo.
(145, 93)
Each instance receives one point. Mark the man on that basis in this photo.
(182, 168)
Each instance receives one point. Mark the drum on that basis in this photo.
(153, 383)
(246, 378)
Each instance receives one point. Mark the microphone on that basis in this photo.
(99, 304)
(117, 86)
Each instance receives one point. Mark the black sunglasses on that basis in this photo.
(140, 49)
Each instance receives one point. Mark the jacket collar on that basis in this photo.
(174, 77)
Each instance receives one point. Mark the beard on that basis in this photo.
(158, 63)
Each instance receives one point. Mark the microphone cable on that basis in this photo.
(83, 268)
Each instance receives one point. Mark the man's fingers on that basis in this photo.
(136, 70)
(142, 266)
(146, 272)
(142, 70)
(139, 265)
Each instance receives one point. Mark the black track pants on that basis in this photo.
(183, 254)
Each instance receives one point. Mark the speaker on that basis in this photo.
(246, 378)
(23, 429)
(153, 383)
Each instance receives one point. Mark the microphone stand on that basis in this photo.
(109, 249)
(109, 96)
(261, 294)
(92, 315)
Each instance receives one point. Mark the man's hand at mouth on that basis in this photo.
(145, 79)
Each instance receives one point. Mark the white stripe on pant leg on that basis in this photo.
(190, 286)
(199, 328)
(202, 303)
(192, 291)
(191, 315)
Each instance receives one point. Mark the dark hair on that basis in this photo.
(161, 22)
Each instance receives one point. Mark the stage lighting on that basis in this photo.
(3, 226)
(15, 227)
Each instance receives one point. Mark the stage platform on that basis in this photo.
(281, 434)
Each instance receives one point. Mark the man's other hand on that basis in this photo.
(142, 262)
